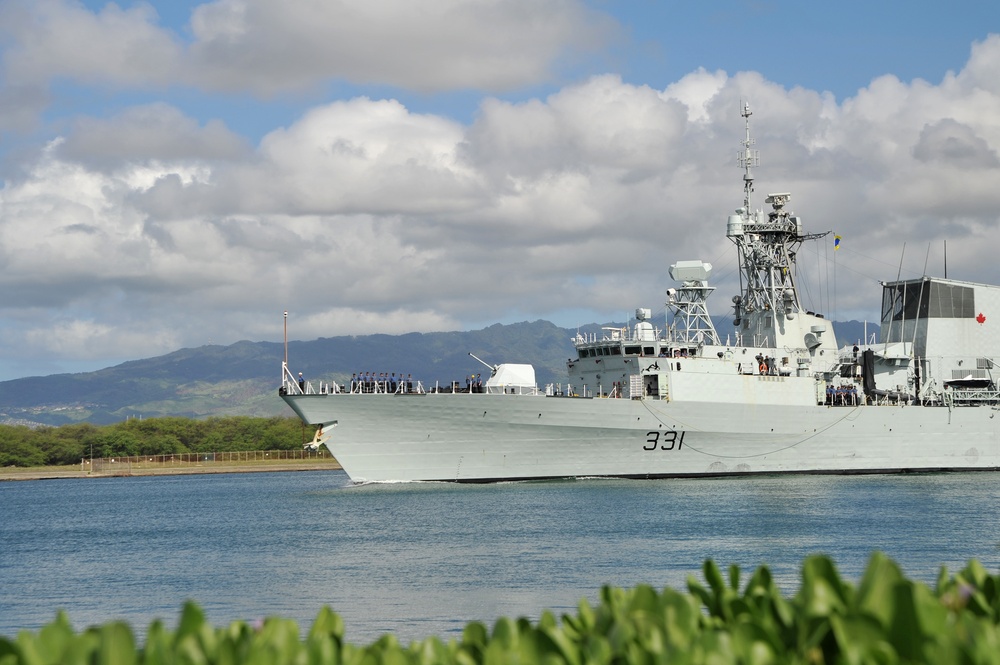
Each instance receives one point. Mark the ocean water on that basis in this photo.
(424, 559)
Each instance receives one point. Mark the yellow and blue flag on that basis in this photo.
(836, 242)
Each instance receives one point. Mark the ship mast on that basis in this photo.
(747, 158)
(767, 245)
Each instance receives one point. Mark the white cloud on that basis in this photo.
(601, 123)
(348, 321)
(63, 39)
(269, 46)
(149, 134)
(85, 339)
(485, 44)
(20, 107)
(982, 72)
(696, 90)
(367, 156)
(364, 216)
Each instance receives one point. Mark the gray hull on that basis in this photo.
(489, 437)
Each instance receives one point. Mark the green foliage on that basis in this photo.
(886, 618)
(68, 444)
(16, 451)
(63, 445)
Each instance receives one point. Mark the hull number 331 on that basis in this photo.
(669, 440)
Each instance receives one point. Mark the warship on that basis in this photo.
(779, 395)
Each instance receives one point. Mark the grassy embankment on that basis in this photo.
(158, 446)
(155, 468)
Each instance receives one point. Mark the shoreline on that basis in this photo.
(11, 473)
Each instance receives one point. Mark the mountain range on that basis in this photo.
(243, 378)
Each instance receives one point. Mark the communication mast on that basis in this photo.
(767, 245)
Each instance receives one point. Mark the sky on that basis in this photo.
(175, 174)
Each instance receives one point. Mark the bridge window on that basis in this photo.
(951, 302)
(927, 299)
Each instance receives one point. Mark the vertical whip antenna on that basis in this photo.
(747, 158)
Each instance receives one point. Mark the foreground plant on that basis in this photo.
(886, 618)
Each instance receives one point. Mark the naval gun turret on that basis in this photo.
(508, 376)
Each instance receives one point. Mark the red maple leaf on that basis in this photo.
(981, 318)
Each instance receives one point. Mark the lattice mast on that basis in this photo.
(691, 323)
(766, 244)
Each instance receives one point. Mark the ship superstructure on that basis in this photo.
(773, 336)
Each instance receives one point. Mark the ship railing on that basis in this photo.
(510, 390)
(849, 396)
(290, 384)
(975, 396)
(625, 334)
(617, 391)
(456, 388)
(384, 387)
(888, 398)
(849, 357)
(948, 398)
(410, 388)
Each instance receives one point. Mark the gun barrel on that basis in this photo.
(492, 367)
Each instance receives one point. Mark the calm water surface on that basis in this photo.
(426, 558)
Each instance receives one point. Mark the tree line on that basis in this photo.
(68, 444)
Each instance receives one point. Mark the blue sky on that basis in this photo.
(179, 173)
